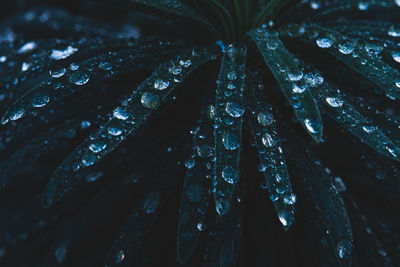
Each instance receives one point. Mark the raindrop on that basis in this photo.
(97, 147)
(62, 54)
(369, 128)
(265, 118)
(40, 100)
(58, 73)
(175, 70)
(230, 174)
(234, 109)
(25, 66)
(79, 78)
(150, 100)
(312, 127)
(324, 42)
(121, 113)
(230, 141)
(160, 84)
(88, 159)
(114, 129)
(334, 102)
(346, 47)
(269, 140)
(60, 253)
(344, 248)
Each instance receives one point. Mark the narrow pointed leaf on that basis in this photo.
(327, 200)
(195, 197)
(64, 81)
(272, 159)
(345, 114)
(290, 79)
(228, 118)
(126, 119)
(356, 56)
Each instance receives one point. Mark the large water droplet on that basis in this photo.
(62, 54)
(324, 42)
(230, 141)
(79, 78)
(230, 174)
(58, 73)
(234, 109)
(114, 129)
(121, 113)
(150, 100)
(40, 100)
(269, 139)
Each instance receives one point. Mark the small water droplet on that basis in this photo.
(334, 102)
(346, 47)
(344, 248)
(40, 100)
(290, 199)
(201, 226)
(114, 129)
(63, 54)
(295, 76)
(396, 56)
(58, 73)
(230, 141)
(160, 84)
(97, 146)
(26, 48)
(105, 66)
(79, 78)
(265, 118)
(369, 128)
(269, 139)
(190, 163)
(121, 113)
(230, 174)
(312, 127)
(324, 42)
(298, 89)
(16, 113)
(88, 159)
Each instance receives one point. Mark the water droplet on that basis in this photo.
(394, 31)
(58, 73)
(234, 109)
(230, 174)
(204, 151)
(290, 199)
(324, 42)
(369, 128)
(190, 163)
(201, 226)
(231, 76)
(120, 256)
(121, 113)
(73, 66)
(79, 78)
(62, 54)
(88, 159)
(312, 127)
(265, 118)
(334, 102)
(114, 129)
(25, 66)
(396, 56)
(3, 59)
(160, 84)
(272, 44)
(339, 184)
(150, 100)
(269, 140)
(97, 146)
(314, 80)
(26, 48)
(16, 113)
(295, 76)
(346, 47)
(285, 218)
(151, 202)
(185, 63)
(298, 89)
(105, 66)
(397, 2)
(40, 100)
(230, 141)
(344, 248)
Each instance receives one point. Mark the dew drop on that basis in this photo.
(346, 47)
(88, 159)
(334, 102)
(114, 129)
(369, 128)
(396, 56)
(201, 226)
(269, 140)
(324, 42)
(312, 127)
(40, 100)
(230, 141)
(190, 163)
(97, 146)
(58, 73)
(63, 54)
(272, 44)
(79, 78)
(344, 248)
(160, 84)
(234, 109)
(298, 89)
(150, 100)
(295, 76)
(265, 118)
(16, 113)
(230, 174)
(121, 113)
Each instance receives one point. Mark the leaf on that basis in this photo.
(355, 56)
(228, 118)
(290, 79)
(345, 114)
(195, 196)
(126, 119)
(64, 81)
(272, 159)
(328, 202)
